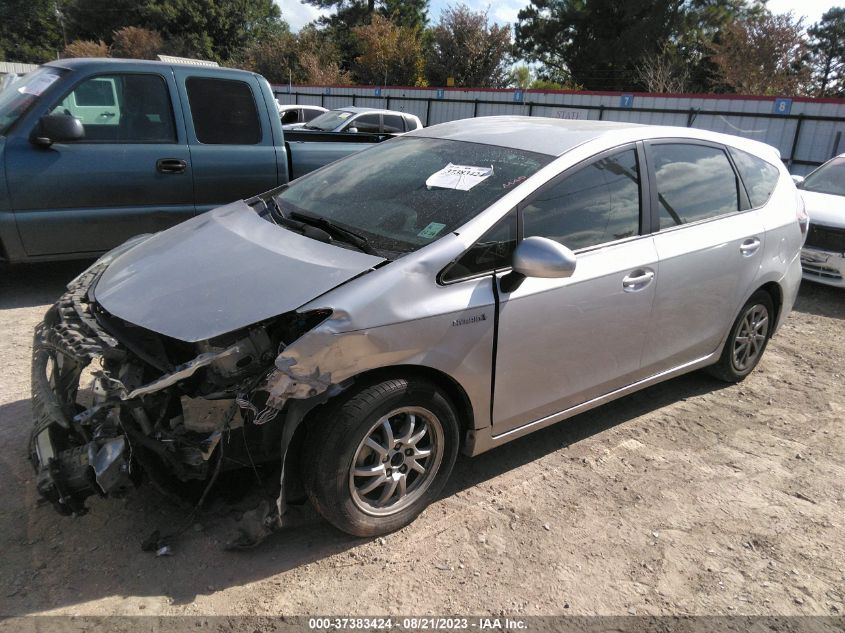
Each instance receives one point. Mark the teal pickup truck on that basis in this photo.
(94, 151)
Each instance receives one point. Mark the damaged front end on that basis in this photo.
(116, 404)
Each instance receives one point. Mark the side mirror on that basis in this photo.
(798, 180)
(539, 257)
(353, 130)
(56, 128)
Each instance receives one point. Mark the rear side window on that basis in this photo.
(223, 111)
(694, 182)
(758, 176)
(410, 124)
(597, 204)
(393, 124)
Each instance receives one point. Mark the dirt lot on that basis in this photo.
(690, 497)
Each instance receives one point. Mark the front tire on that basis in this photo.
(747, 340)
(381, 456)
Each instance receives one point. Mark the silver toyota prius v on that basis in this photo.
(446, 291)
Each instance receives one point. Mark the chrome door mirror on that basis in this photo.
(352, 130)
(539, 257)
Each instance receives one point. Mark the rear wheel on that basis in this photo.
(381, 456)
(747, 340)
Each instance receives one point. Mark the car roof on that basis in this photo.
(361, 109)
(556, 137)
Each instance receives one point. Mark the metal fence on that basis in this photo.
(807, 132)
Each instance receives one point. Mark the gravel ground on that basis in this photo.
(690, 497)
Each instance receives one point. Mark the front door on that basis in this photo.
(562, 342)
(130, 173)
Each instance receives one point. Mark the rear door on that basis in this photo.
(130, 174)
(233, 153)
(709, 247)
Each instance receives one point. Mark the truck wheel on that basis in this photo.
(381, 456)
(748, 339)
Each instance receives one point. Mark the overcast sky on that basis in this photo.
(504, 12)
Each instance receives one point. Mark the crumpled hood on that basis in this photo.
(825, 208)
(220, 272)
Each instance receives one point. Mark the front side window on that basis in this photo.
(131, 108)
(596, 204)
(694, 182)
(289, 116)
(829, 178)
(368, 123)
(758, 176)
(223, 111)
(407, 192)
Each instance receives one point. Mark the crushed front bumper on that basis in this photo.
(72, 463)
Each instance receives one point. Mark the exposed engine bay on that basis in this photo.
(116, 404)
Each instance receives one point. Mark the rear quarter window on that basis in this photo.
(758, 176)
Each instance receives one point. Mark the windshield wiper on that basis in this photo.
(336, 230)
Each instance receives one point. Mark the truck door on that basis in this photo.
(129, 174)
(233, 153)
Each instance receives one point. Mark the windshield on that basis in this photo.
(403, 194)
(829, 178)
(22, 93)
(329, 120)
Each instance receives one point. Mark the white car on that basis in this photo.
(823, 191)
(365, 120)
(297, 113)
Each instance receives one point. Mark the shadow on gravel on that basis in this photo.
(28, 285)
(50, 561)
(821, 300)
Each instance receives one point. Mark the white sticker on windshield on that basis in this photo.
(38, 85)
(344, 115)
(460, 177)
(431, 230)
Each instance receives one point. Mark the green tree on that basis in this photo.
(134, 42)
(98, 19)
(764, 55)
(30, 31)
(596, 43)
(827, 47)
(349, 14)
(214, 29)
(392, 53)
(468, 48)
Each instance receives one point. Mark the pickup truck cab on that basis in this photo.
(94, 151)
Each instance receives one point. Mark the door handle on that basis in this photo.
(171, 166)
(637, 280)
(107, 114)
(749, 246)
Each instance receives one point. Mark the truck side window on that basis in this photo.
(130, 108)
(224, 111)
